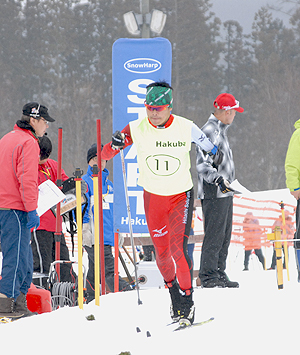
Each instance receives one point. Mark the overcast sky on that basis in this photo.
(243, 11)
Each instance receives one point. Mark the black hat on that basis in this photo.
(92, 152)
(45, 147)
(35, 110)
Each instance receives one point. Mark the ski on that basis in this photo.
(5, 320)
(185, 326)
(174, 322)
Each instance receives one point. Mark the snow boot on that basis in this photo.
(213, 283)
(228, 283)
(21, 306)
(7, 308)
(187, 312)
(175, 299)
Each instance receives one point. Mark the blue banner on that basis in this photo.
(135, 64)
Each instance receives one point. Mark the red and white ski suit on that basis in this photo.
(168, 215)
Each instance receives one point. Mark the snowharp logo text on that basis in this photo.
(142, 65)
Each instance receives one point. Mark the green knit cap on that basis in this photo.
(159, 96)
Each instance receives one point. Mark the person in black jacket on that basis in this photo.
(216, 194)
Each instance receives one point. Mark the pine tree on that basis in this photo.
(273, 101)
(11, 69)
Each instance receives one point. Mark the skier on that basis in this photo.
(19, 158)
(163, 143)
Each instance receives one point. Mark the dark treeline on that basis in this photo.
(59, 53)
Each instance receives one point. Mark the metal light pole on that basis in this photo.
(144, 8)
(142, 24)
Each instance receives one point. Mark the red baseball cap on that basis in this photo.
(227, 102)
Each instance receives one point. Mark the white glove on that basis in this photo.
(87, 236)
(121, 240)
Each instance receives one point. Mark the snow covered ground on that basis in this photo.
(257, 318)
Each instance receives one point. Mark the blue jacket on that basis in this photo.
(108, 213)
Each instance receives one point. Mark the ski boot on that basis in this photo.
(187, 311)
(175, 300)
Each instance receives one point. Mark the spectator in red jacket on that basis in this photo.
(19, 158)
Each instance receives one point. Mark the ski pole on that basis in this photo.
(126, 269)
(130, 225)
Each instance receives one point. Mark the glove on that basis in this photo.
(33, 220)
(84, 187)
(121, 240)
(217, 155)
(223, 185)
(118, 140)
(87, 236)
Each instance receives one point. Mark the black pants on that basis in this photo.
(109, 272)
(43, 250)
(217, 214)
(258, 253)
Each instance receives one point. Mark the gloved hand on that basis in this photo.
(217, 155)
(121, 240)
(84, 187)
(223, 185)
(118, 140)
(33, 220)
(87, 236)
